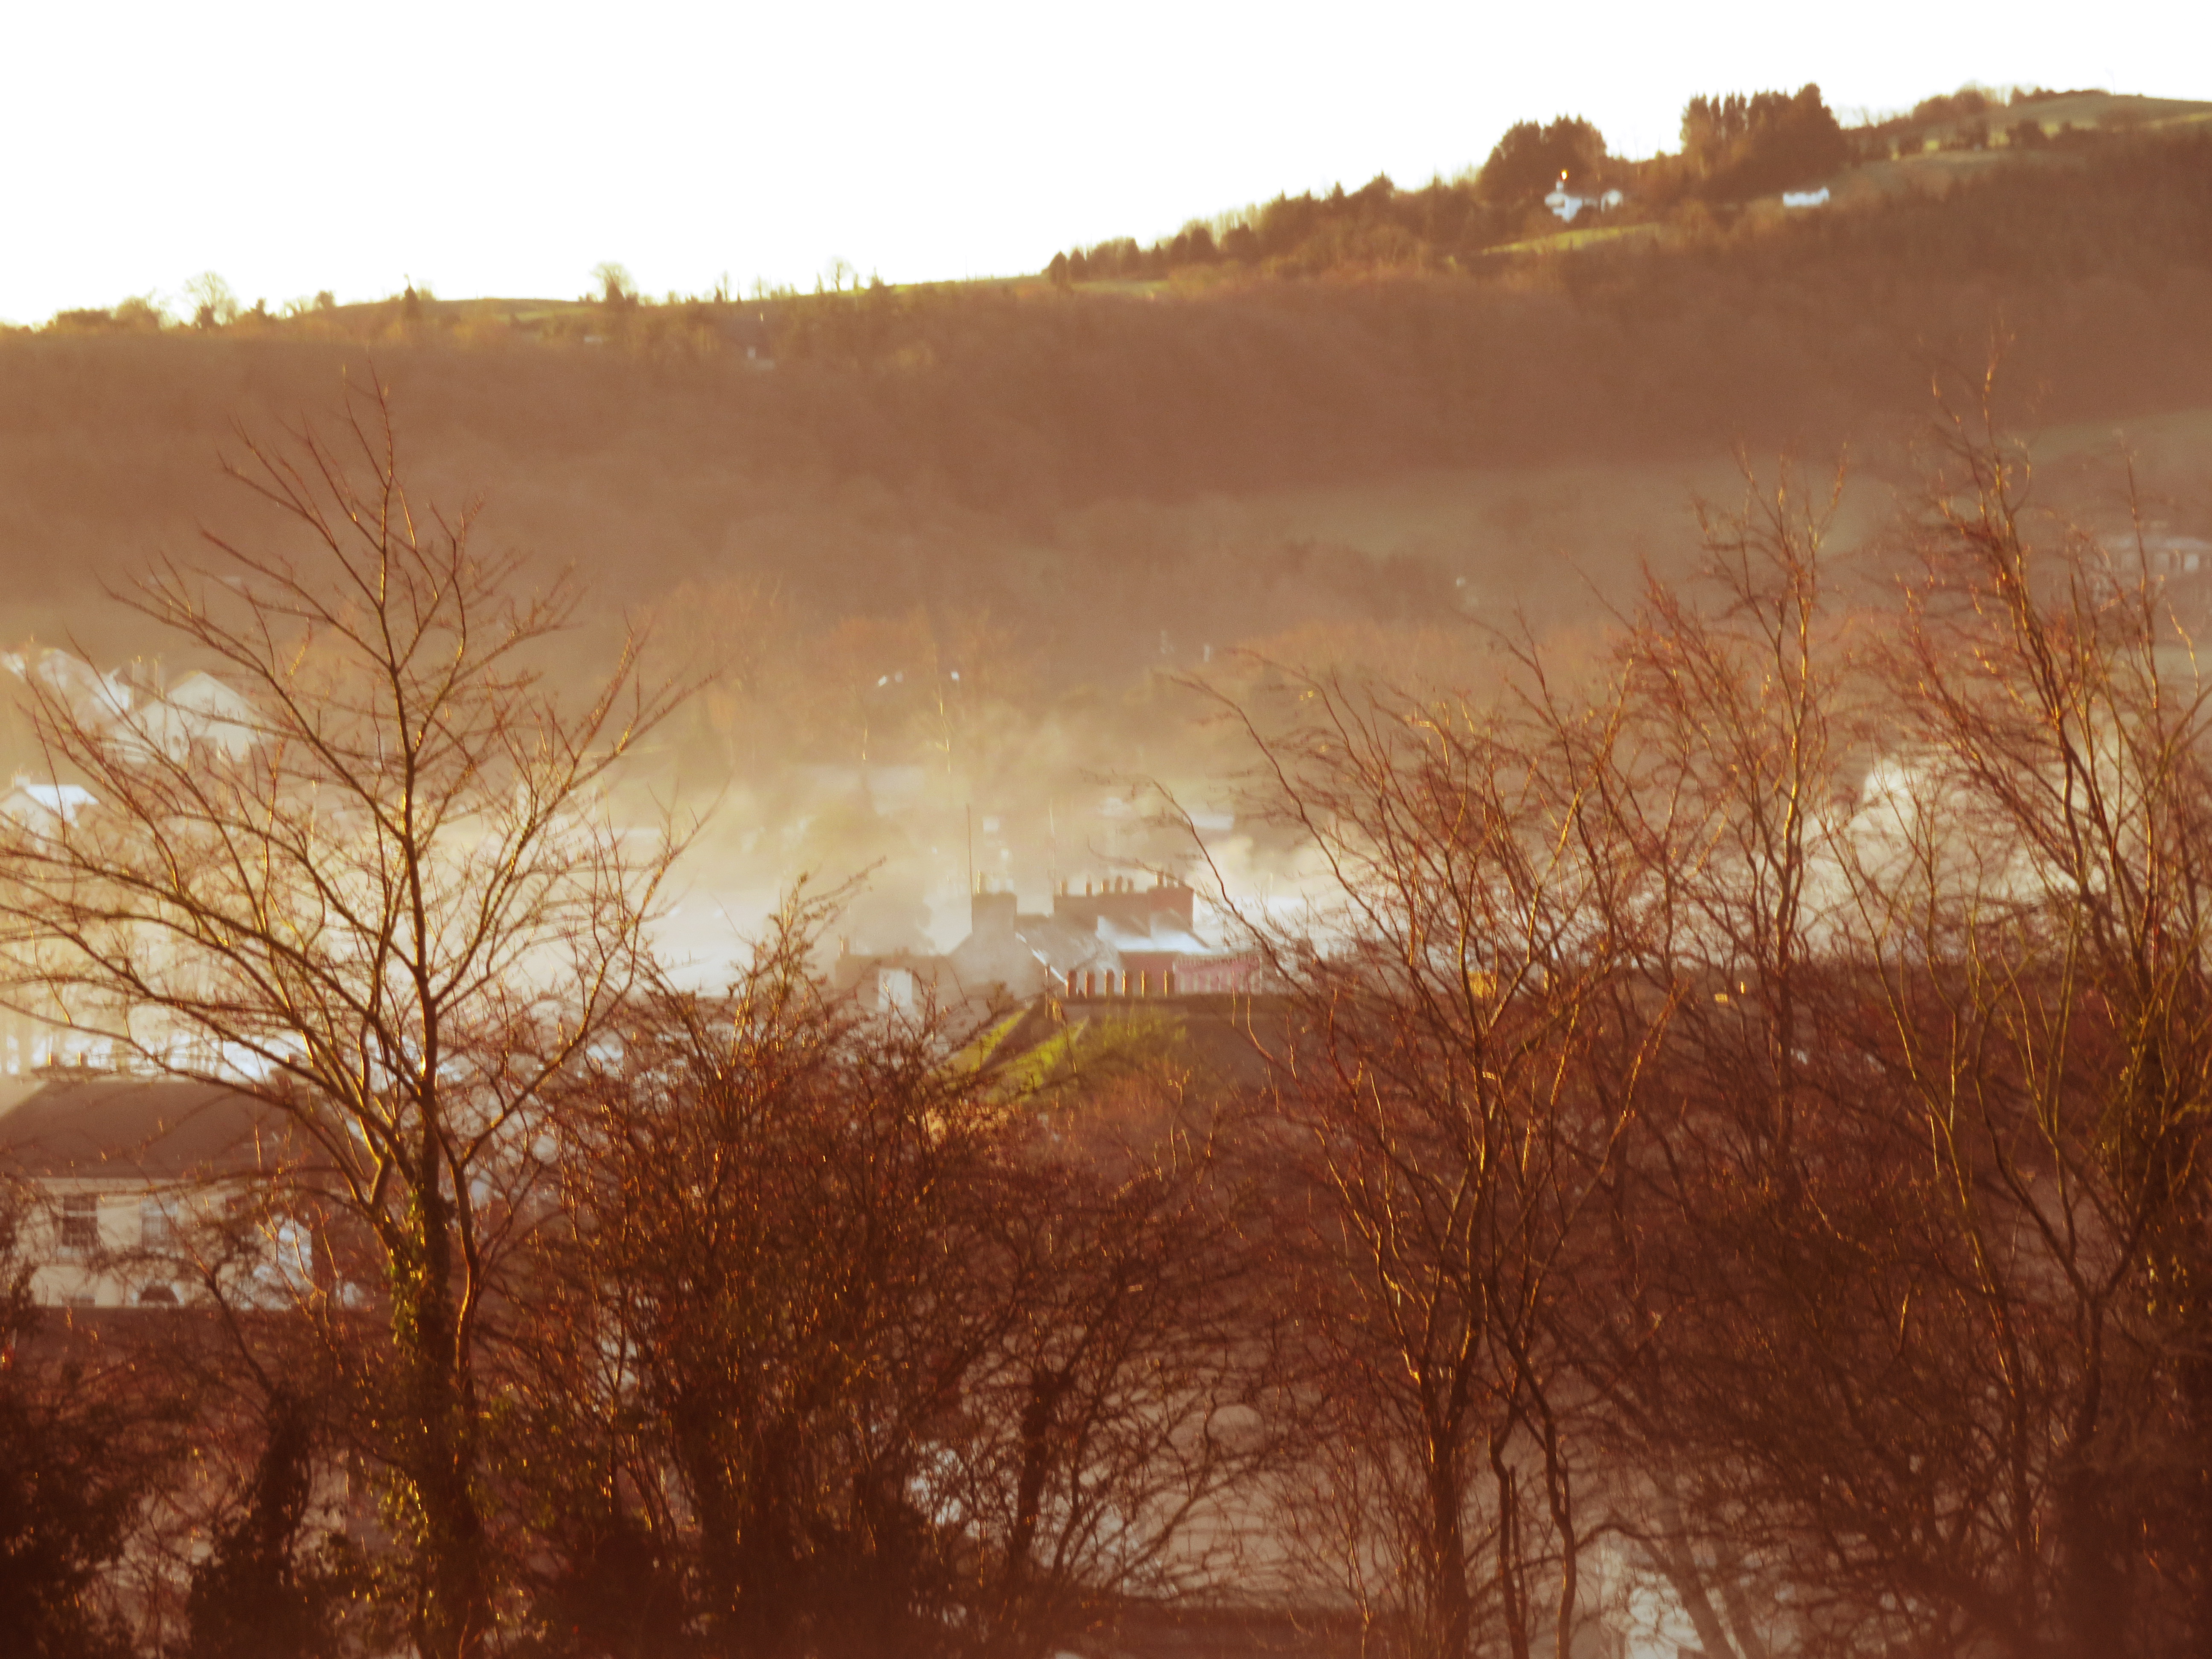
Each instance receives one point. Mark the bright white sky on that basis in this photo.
(507, 148)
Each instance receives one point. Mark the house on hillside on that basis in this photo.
(1566, 204)
(142, 1188)
(2126, 558)
(33, 1032)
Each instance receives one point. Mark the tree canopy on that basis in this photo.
(1530, 158)
(1741, 146)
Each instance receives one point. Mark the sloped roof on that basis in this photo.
(41, 806)
(1230, 1036)
(203, 694)
(143, 1128)
(1165, 938)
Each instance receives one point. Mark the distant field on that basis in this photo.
(1570, 241)
(2106, 111)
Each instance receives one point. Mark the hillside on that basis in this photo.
(987, 444)
(1058, 493)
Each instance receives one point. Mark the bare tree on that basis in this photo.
(858, 1359)
(2041, 904)
(759, 1200)
(1116, 1417)
(1910, 1318)
(1464, 1063)
(377, 891)
(1738, 682)
(214, 304)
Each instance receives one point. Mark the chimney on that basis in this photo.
(991, 913)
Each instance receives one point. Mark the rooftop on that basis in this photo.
(98, 1124)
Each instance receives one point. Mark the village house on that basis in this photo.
(196, 710)
(140, 1188)
(1115, 938)
(42, 808)
(2170, 555)
(143, 706)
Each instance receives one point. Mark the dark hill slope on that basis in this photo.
(934, 447)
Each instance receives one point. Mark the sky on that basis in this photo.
(498, 149)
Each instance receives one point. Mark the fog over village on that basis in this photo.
(1455, 916)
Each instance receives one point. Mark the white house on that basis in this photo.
(1566, 204)
(142, 1188)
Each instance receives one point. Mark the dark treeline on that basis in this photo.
(1727, 1127)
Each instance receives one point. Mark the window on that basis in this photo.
(156, 1230)
(80, 1223)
